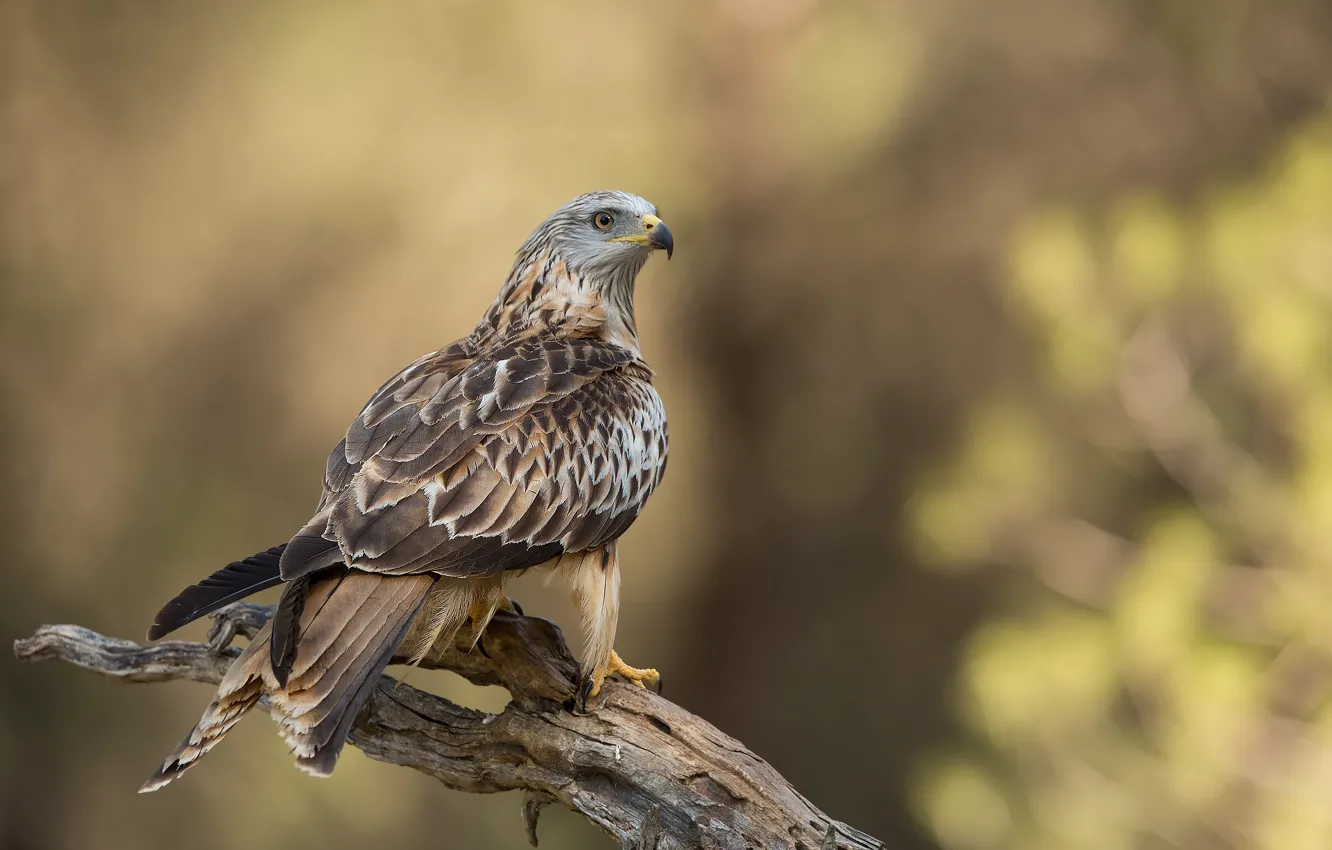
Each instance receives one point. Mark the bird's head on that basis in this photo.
(578, 268)
(604, 233)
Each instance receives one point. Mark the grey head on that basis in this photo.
(603, 232)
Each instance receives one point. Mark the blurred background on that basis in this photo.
(996, 350)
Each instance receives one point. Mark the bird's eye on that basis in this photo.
(603, 220)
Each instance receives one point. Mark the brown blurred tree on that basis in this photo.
(179, 182)
(850, 324)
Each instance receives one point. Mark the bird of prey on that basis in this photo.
(536, 438)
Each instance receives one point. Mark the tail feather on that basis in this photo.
(239, 691)
(235, 581)
(330, 734)
(343, 610)
(340, 659)
(328, 664)
(287, 627)
(349, 630)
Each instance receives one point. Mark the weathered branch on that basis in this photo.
(646, 771)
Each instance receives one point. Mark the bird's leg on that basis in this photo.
(487, 598)
(596, 585)
(441, 615)
(485, 604)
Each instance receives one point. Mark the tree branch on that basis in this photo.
(646, 771)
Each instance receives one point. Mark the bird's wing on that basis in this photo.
(468, 466)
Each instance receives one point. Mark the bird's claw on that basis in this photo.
(591, 684)
(587, 689)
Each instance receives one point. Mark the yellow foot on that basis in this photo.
(640, 677)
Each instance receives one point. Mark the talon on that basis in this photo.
(590, 687)
(592, 682)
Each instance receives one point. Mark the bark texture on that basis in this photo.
(646, 771)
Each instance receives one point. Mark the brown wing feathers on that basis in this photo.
(460, 468)
(466, 473)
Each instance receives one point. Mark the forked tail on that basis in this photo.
(350, 626)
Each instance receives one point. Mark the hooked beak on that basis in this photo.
(655, 233)
(659, 235)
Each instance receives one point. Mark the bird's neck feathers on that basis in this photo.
(543, 293)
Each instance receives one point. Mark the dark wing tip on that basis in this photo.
(236, 580)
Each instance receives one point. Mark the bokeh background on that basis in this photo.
(996, 350)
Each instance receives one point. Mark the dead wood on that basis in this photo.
(646, 771)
